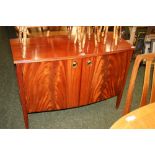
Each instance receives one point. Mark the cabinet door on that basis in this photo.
(116, 72)
(94, 80)
(105, 78)
(99, 80)
(109, 76)
(51, 85)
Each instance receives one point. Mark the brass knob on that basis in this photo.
(89, 62)
(74, 64)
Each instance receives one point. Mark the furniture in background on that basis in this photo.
(53, 74)
(141, 118)
(152, 46)
(140, 37)
(147, 47)
(150, 40)
(149, 43)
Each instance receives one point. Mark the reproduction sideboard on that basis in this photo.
(52, 74)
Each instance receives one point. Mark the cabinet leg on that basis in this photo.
(21, 92)
(118, 101)
(25, 114)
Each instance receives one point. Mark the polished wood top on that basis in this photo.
(61, 47)
(141, 118)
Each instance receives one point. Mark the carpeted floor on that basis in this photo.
(96, 116)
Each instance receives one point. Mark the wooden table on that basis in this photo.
(141, 118)
(52, 74)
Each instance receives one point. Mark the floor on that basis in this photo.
(96, 116)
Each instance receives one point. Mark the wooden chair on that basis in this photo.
(141, 117)
(149, 60)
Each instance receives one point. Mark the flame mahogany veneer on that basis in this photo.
(54, 75)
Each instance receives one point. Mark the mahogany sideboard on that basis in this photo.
(52, 74)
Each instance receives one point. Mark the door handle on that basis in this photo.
(74, 64)
(89, 62)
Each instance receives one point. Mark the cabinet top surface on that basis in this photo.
(61, 47)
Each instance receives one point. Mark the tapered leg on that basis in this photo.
(118, 101)
(21, 92)
(25, 115)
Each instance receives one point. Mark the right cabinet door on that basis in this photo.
(99, 83)
(93, 79)
(109, 75)
(117, 69)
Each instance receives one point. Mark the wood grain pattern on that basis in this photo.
(98, 84)
(116, 72)
(109, 76)
(51, 85)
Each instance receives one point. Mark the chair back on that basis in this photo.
(149, 60)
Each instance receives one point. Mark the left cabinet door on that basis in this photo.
(51, 85)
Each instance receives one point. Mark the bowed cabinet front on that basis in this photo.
(62, 84)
